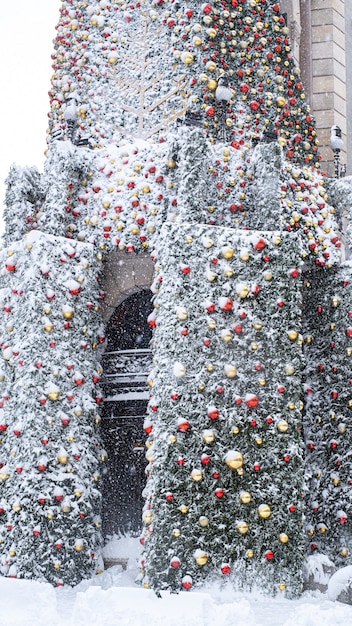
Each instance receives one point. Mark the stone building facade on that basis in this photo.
(321, 44)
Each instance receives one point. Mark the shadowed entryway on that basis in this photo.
(126, 362)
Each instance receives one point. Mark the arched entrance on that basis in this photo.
(126, 364)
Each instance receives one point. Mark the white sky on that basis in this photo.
(27, 29)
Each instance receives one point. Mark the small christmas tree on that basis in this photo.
(51, 451)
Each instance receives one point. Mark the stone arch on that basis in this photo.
(124, 274)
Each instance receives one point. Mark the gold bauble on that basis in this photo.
(201, 558)
(234, 459)
(259, 441)
(78, 493)
(244, 256)
(235, 430)
(196, 475)
(50, 515)
(12, 552)
(147, 517)
(282, 426)
(282, 586)
(68, 314)
(268, 276)
(187, 58)
(63, 458)
(208, 436)
(54, 395)
(176, 532)
(227, 252)
(172, 439)
(292, 335)
(48, 327)
(56, 565)
(203, 521)
(283, 538)
(257, 325)
(289, 370)
(182, 314)
(243, 291)
(335, 302)
(16, 507)
(344, 552)
(242, 528)
(183, 509)
(78, 547)
(211, 324)
(226, 336)
(230, 371)
(277, 240)
(264, 511)
(245, 497)
(65, 508)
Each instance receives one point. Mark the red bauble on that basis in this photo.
(269, 555)
(169, 496)
(251, 400)
(206, 341)
(207, 8)
(226, 568)
(260, 244)
(205, 459)
(219, 492)
(292, 508)
(183, 425)
(175, 562)
(184, 332)
(180, 461)
(238, 328)
(213, 413)
(187, 582)
(256, 467)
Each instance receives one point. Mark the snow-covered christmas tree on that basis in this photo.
(182, 131)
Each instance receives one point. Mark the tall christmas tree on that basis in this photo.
(183, 131)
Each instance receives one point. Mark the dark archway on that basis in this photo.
(126, 363)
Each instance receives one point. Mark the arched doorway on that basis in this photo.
(126, 364)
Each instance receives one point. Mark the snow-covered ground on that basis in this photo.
(113, 599)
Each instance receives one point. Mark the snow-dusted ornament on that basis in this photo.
(234, 459)
(201, 557)
(179, 370)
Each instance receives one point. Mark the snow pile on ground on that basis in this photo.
(113, 599)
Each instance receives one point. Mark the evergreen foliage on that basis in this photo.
(50, 445)
(225, 408)
(328, 350)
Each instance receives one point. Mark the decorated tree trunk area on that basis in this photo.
(224, 498)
